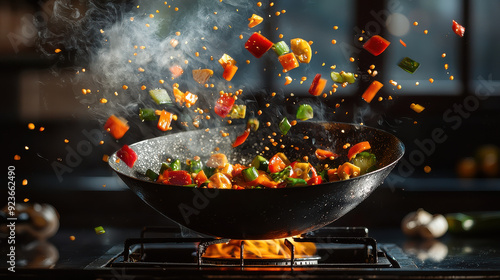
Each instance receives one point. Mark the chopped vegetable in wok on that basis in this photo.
(376, 45)
(281, 48)
(458, 29)
(160, 96)
(277, 172)
(284, 126)
(305, 112)
(258, 45)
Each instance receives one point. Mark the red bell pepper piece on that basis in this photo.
(376, 45)
(127, 155)
(358, 148)
(276, 164)
(458, 29)
(317, 85)
(315, 180)
(324, 154)
(224, 105)
(258, 44)
(179, 178)
(241, 138)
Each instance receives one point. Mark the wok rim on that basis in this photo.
(394, 162)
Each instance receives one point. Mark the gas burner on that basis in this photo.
(334, 247)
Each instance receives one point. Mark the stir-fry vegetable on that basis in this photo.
(160, 96)
(147, 114)
(127, 155)
(229, 72)
(165, 120)
(281, 48)
(254, 20)
(288, 61)
(224, 105)
(365, 161)
(376, 45)
(258, 45)
(371, 91)
(458, 29)
(238, 112)
(241, 138)
(116, 126)
(277, 172)
(342, 77)
(305, 112)
(301, 49)
(201, 76)
(409, 65)
(284, 126)
(317, 86)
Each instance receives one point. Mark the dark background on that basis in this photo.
(90, 194)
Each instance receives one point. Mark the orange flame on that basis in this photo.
(260, 249)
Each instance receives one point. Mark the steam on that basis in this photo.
(114, 44)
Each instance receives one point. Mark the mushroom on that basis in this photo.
(423, 224)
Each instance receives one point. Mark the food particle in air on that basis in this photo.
(103, 100)
(443, 55)
(254, 20)
(17, 157)
(452, 78)
(416, 107)
(288, 80)
(105, 158)
(302, 49)
(376, 45)
(31, 126)
(202, 76)
(116, 126)
(371, 91)
(257, 45)
(304, 112)
(427, 169)
(415, 23)
(280, 48)
(446, 66)
(351, 59)
(334, 42)
(25, 182)
(409, 65)
(431, 80)
(288, 61)
(125, 87)
(458, 29)
(72, 238)
(284, 126)
(99, 230)
(402, 43)
(317, 86)
(57, 50)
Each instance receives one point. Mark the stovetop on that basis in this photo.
(92, 256)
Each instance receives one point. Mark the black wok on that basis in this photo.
(258, 213)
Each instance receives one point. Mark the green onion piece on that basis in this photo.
(147, 114)
(295, 182)
(282, 175)
(99, 230)
(190, 186)
(195, 166)
(250, 174)
(260, 162)
(409, 65)
(253, 123)
(160, 96)
(285, 126)
(305, 112)
(336, 77)
(176, 165)
(151, 175)
(238, 112)
(348, 77)
(281, 48)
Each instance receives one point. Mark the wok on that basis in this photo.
(258, 213)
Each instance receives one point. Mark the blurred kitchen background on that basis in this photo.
(461, 105)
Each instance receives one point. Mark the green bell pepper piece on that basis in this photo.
(160, 96)
(284, 126)
(305, 112)
(147, 114)
(409, 65)
(260, 162)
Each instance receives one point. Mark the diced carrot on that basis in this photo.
(116, 126)
(288, 61)
(416, 107)
(371, 91)
(229, 71)
(402, 43)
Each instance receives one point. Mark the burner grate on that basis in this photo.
(336, 247)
